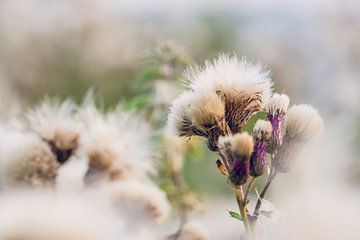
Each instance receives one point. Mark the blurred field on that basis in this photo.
(64, 48)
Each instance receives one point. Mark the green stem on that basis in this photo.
(250, 186)
(262, 194)
(243, 211)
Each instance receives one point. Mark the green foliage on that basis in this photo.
(235, 215)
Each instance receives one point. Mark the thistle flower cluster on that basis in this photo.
(220, 98)
(78, 150)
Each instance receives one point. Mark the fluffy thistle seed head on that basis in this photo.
(237, 150)
(278, 105)
(55, 123)
(207, 111)
(194, 231)
(179, 120)
(262, 130)
(303, 122)
(139, 201)
(116, 144)
(230, 72)
(28, 162)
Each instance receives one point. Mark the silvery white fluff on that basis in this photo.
(138, 202)
(25, 160)
(303, 122)
(278, 102)
(54, 122)
(116, 143)
(178, 110)
(44, 215)
(52, 118)
(230, 72)
(70, 176)
(262, 129)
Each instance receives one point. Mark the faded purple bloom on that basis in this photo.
(261, 134)
(240, 171)
(276, 123)
(258, 159)
(276, 109)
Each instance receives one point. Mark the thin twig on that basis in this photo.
(262, 194)
(250, 186)
(243, 211)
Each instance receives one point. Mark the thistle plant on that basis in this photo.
(220, 99)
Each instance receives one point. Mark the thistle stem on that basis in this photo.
(262, 194)
(243, 211)
(250, 186)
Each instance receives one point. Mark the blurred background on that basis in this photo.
(62, 48)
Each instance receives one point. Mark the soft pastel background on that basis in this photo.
(62, 48)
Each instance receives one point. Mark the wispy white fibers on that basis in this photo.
(54, 122)
(303, 122)
(116, 143)
(25, 160)
(137, 202)
(230, 72)
(70, 176)
(44, 215)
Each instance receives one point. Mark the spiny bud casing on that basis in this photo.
(261, 133)
(276, 110)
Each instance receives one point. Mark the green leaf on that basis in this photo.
(148, 74)
(235, 215)
(138, 102)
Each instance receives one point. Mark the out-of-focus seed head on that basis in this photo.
(194, 231)
(28, 164)
(54, 122)
(138, 201)
(303, 123)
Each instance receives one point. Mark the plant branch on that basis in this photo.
(262, 194)
(243, 211)
(250, 186)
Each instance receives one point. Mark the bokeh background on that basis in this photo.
(62, 48)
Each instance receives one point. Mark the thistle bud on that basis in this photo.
(276, 110)
(303, 123)
(261, 133)
(238, 149)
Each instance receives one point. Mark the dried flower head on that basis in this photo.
(237, 150)
(179, 119)
(276, 110)
(222, 96)
(55, 124)
(262, 133)
(116, 144)
(138, 201)
(278, 105)
(194, 230)
(26, 161)
(303, 123)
